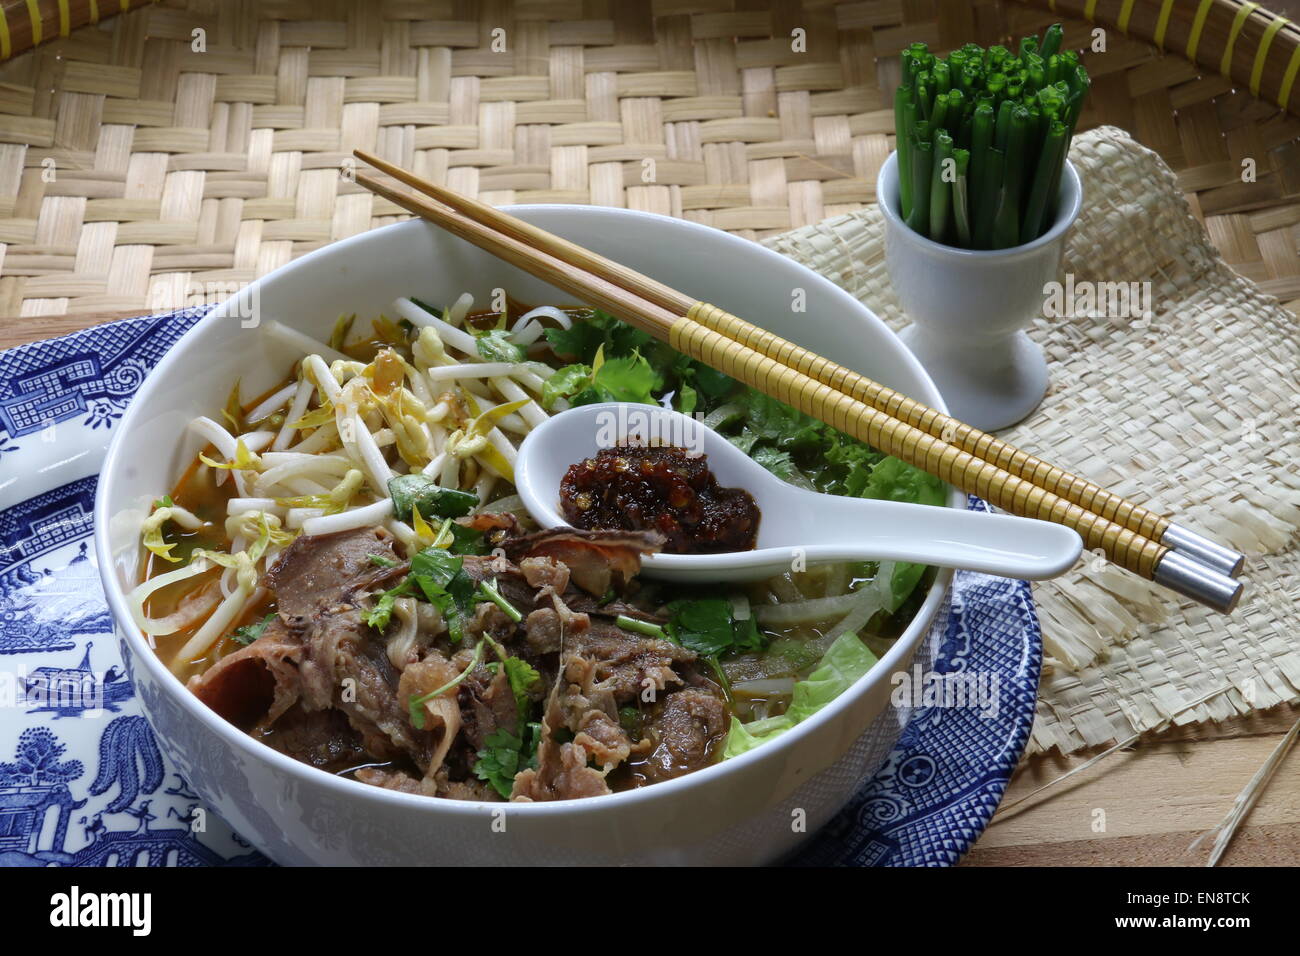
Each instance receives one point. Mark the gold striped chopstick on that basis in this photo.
(1127, 548)
(1079, 491)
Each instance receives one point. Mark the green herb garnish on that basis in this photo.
(495, 346)
(417, 702)
(487, 591)
(420, 491)
(982, 137)
(250, 632)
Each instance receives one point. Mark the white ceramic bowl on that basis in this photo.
(745, 810)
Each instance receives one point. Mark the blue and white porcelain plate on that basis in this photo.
(82, 780)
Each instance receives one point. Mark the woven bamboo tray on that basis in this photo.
(185, 147)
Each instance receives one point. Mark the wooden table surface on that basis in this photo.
(1141, 806)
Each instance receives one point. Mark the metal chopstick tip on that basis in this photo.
(1200, 548)
(1201, 583)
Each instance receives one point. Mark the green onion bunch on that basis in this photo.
(982, 137)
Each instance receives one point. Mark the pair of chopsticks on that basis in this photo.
(1131, 536)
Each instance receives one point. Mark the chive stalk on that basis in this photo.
(961, 198)
(942, 175)
(922, 152)
(904, 119)
(1005, 118)
(986, 202)
(1049, 161)
(1006, 221)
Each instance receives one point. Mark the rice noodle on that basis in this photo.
(527, 329)
(273, 459)
(445, 373)
(317, 441)
(224, 443)
(238, 506)
(871, 597)
(544, 311)
(303, 343)
(216, 436)
(297, 408)
(371, 458)
(217, 624)
(402, 639)
(505, 505)
(271, 404)
(532, 412)
(302, 486)
(326, 383)
(527, 335)
(434, 466)
(140, 594)
(529, 378)
(295, 517)
(450, 472)
(764, 687)
(460, 308)
(457, 338)
(364, 517)
(806, 612)
(256, 441)
(326, 466)
(402, 531)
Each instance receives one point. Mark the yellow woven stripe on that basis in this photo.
(1288, 78)
(1125, 12)
(1089, 9)
(5, 46)
(1257, 71)
(1194, 38)
(34, 14)
(94, 12)
(1162, 22)
(65, 19)
(1239, 21)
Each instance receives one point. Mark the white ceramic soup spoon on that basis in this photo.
(795, 523)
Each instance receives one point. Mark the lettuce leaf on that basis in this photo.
(844, 662)
(495, 346)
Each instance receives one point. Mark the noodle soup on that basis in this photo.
(346, 572)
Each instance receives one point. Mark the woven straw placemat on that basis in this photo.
(1191, 409)
(178, 149)
(143, 164)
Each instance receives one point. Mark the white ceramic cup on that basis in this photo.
(969, 308)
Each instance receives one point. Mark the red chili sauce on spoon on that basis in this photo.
(660, 488)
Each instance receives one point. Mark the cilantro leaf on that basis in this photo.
(441, 578)
(420, 491)
(250, 632)
(465, 540)
(504, 754)
(628, 378)
(382, 611)
(709, 628)
(487, 591)
(522, 677)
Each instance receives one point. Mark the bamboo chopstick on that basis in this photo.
(1126, 548)
(1076, 490)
